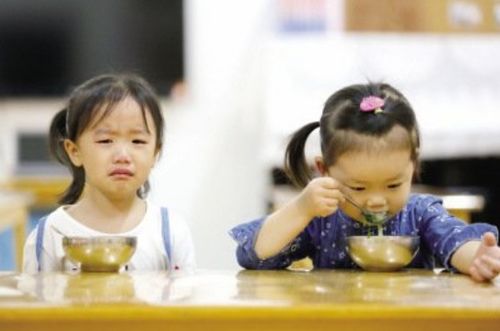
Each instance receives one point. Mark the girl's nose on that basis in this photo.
(376, 203)
(121, 154)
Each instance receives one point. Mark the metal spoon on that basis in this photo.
(369, 218)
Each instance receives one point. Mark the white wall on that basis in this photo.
(212, 168)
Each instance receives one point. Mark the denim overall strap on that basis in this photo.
(39, 241)
(165, 231)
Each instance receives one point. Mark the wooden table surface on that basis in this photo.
(248, 300)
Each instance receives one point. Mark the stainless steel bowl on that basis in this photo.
(100, 254)
(382, 253)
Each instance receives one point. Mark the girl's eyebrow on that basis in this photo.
(111, 131)
(349, 181)
(140, 131)
(103, 131)
(354, 181)
(394, 178)
(397, 177)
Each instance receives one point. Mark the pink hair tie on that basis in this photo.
(372, 104)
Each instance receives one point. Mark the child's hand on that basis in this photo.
(486, 263)
(320, 197)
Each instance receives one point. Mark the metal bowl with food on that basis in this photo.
(382, 253)
(99, 254)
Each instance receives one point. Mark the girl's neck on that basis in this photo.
(103, 214)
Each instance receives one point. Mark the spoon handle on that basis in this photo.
(352, 202)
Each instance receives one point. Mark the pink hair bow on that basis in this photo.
(372, 104)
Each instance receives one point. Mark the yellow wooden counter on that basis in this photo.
(248, 300)
(45, 190)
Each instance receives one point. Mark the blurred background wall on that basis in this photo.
(254, 71)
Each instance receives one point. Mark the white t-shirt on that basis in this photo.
(150, 252)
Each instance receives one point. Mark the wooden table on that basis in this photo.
(248, 300)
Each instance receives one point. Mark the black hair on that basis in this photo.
(84, 104)
(343, 125)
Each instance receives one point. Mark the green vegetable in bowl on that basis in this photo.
(375, 218)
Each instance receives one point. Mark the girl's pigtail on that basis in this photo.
(296, 166)
(75, 189)
(57, 134)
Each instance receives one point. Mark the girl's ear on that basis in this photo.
(320, 165)
(73, 152)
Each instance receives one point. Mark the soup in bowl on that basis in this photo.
(382, 253)
(99, 254)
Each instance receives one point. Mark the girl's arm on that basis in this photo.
(453, 243)
(479, 259)
(319, 198)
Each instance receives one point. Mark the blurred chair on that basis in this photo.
(20, 197)
(14, 212)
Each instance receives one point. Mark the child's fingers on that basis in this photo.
(484, 270)
(489, 239)
(332, 203)
(329, 183)
(326, 207)
(486, 265)
(322, 186)
(332, 194)
(321, 195)
(474, 273)
(491, 262)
